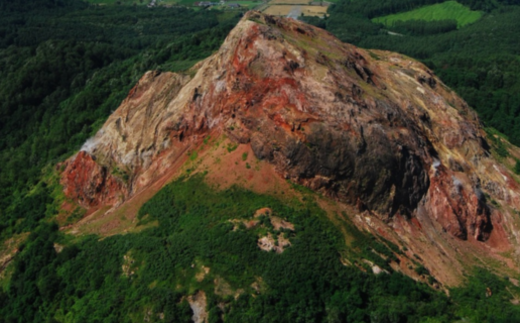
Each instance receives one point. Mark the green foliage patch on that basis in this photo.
(449, 10)
(125, 278)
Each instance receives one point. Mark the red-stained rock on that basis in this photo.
(89, 183)
(373, 129)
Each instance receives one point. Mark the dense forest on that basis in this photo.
(146, 276)
(66, 65)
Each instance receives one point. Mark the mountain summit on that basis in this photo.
(374, 131)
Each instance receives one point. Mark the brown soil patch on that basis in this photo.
(9, 248)
(280, 223)
(259, 285)
(249, 224)
(227, 168)
(201, 274)
(293, 2)
(66, 210)
(122, 219)
(263, 211)
(268, 243)
(226, 164)
(222, 288)
(58, 247)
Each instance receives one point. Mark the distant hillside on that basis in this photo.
(29, 5)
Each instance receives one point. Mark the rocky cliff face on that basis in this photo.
(372, 129)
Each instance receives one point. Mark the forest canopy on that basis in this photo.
(66, 65)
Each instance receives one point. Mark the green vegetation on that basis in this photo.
(516, 169)
(65, 66)
(449, 10)
(496, 141)
(76, 215)
(486, 298)
(231, 147)
(421, 270)
(147, 275)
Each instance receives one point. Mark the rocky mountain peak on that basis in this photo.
(372, 129)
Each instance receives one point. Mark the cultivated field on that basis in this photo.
(284, 10)
(446, 10)
(243, 4)
(289, 2)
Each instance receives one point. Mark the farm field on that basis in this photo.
(284, 10)
(290, 2)
(442, 11)
(243, 5)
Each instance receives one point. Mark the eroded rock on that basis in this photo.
(382, 134)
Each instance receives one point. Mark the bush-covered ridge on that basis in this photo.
(63, 71)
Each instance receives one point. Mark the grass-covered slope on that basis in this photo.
(449, 10)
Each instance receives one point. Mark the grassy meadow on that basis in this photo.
(443, 11)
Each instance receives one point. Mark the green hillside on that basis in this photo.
(64, 67)
(198, 248)
(449, 10)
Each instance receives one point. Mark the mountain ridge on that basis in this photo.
(371, 129)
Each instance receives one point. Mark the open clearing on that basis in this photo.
(243, 4)
(290, 2)
(284, 10)
(442, 11)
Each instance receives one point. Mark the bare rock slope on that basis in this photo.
(372, 129)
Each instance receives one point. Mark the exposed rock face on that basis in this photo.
(371, 128)
(90, 183)
(126, 150)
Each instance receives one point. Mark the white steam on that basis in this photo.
(89, 145)
(295, 12)
(456, 182)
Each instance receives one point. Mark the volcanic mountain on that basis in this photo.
(376, 134)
